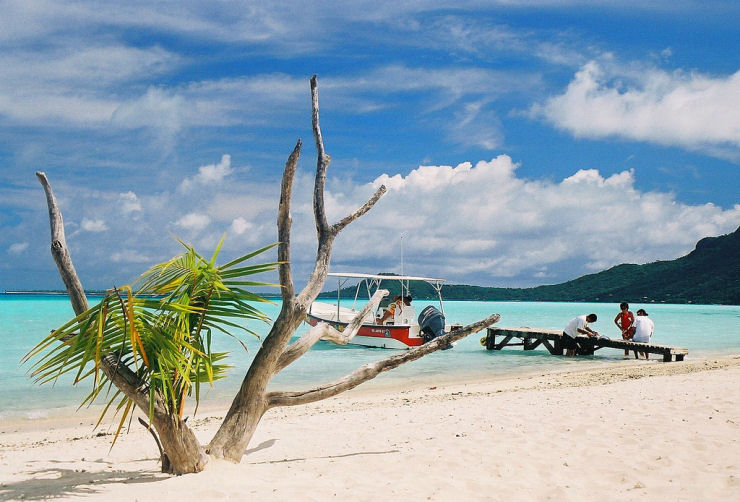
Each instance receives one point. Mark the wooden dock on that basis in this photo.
(552, 340)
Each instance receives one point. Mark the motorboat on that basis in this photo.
(401, 330)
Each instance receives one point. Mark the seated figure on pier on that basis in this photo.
(642, 330)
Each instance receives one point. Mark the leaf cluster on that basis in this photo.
(161, 329)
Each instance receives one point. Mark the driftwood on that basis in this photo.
(179, 445)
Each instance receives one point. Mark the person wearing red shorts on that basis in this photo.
(624, 321)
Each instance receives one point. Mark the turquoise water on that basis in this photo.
(706, 330)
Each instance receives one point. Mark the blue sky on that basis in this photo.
(522, 143)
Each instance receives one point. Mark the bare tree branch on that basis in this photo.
(250, 402)
(371, 370)
(59, 250)
(327, 332)
(326, 234)
(337, 227)
(322, 162)
(284, 224)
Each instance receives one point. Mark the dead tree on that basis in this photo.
(183, 452)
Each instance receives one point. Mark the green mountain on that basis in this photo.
(710, 274)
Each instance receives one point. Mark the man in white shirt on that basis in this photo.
(577, 326)
(644, 328)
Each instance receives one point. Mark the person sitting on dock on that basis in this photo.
(577, 326)
(643, 330)
(390, 311)
(624, 321)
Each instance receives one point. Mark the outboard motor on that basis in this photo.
(431, 323)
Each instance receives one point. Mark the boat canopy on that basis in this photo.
(373, 281)
(383, 277)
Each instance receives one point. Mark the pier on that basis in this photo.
(552, 340)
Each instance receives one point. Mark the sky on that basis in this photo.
(521, 142)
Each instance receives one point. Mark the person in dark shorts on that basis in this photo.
(577, 326)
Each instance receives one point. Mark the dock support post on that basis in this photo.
(558, 348)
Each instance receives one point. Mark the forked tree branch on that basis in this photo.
(250, 402)
(326, 234)
(371, 370)
(284, 224)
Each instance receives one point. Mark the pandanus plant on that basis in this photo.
(162, 329)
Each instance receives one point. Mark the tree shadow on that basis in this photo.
(55, 483)
(262, 446)
(342, 455)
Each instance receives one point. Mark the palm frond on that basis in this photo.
(161, 329)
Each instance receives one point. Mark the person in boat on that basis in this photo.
(577, 326)
(391, 310)
(624, 321)
(642, 330)
(405, 314)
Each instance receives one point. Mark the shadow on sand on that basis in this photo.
(50, 484)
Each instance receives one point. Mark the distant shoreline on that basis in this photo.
(324, 297)
(10, 292)
(7, 292)
(88, 293)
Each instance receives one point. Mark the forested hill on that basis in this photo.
(710, 274)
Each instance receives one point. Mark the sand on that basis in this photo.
(631, 430)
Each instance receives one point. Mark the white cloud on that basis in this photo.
(93, 225)
(193, 221)
(471, 223)
(157, 107)
(476, 126)
(73, 84)
(18, 248)
(130, 256)
(684, 109)
(211, 174)
(482, 224)
(129, 203)
(240, 225)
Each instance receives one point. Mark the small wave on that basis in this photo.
(36, 414)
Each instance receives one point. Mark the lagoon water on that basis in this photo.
(706, 330)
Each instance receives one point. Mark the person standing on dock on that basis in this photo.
(624, 321)
(577, 326)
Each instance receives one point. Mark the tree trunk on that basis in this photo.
(249, 405)
(183, 452)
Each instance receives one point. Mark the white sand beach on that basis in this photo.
(633, 430)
